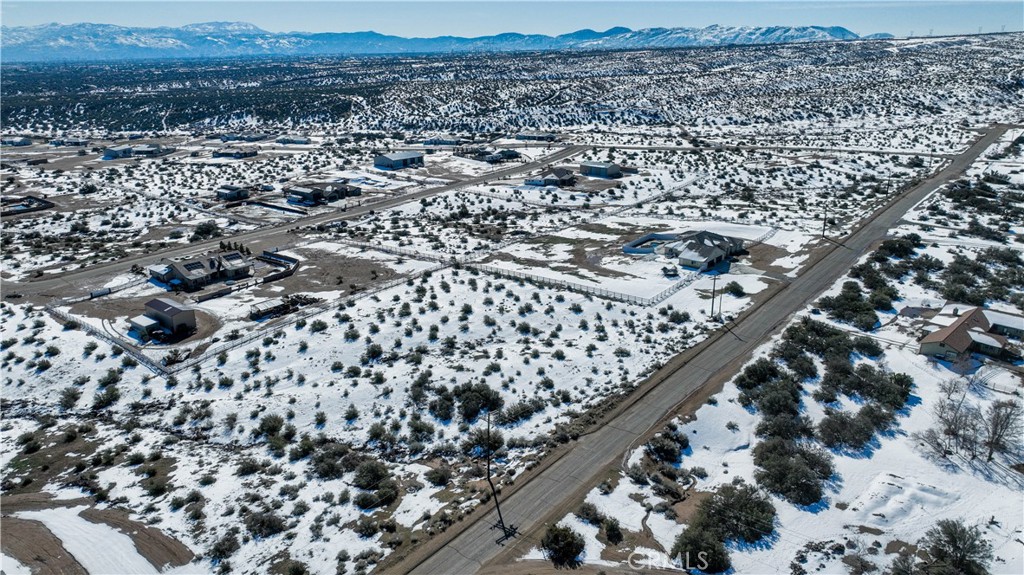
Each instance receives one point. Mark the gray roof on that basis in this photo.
(604, 165)
(402, 156)
(165, 306)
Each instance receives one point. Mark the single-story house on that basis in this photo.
(150, 150)
(532, 135)
(115, 152)
(443, 141)
(398, 160)
(236, 153)
(15, 141)
(195, 273)
(231, 193)
(244, 137)
(321, 193)
(964, 329)
(700, 250)
(72, 142)
(292, 140)
(600, 169)
(169, 314)
(560, 177)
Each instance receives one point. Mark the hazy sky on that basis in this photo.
(484, 17)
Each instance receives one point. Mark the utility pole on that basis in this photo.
(824, 220)
(510, 531)
(714, 282)
(721, 296)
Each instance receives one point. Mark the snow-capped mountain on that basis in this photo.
(221, 39)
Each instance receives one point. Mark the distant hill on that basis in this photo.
(59, 42)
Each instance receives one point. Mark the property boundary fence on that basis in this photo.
(102, 335)
(304, 313)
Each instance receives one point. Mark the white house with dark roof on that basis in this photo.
(560, 177)
(700, 250)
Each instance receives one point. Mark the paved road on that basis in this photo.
(279, 232)
(582, 465)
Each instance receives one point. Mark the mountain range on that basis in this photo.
(62, 42)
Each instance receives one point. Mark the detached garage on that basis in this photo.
(171, 315)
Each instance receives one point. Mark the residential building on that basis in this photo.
(116, 152)
(15, 141)
(536, 136)
(960, 329)
(700, 250)
(560, 177)
(230, 193)
(398, 160)
(150, 150)
(235, 152)
(244, 137)
(71, 142)
(314, 194)
(292, 140)
(600, 169)
(443, 141)
(198, 272)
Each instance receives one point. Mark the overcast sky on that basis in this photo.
(485, 17)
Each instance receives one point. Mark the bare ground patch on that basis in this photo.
(32, 544)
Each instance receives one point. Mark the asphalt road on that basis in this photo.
(582, 465)
(267, 235)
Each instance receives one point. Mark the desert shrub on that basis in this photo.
(474, 398)
(778, 397)
(327, 462)
(69, 397)
(612, 531)
(480, 443)
(866, 346)
(785, 426)
(956, 547)
(440, 476)
(850, 307)
(107, 397)
(701, 550)
(757, 374)
(791, 470)
(264, 524)
(733, 288)
(224, 547)
(562, 545)
(247, 466)
(838, 429)
(386, 493)
(519, 411)
(365, 527)
(663, 449)
(737, 511)
(370, 473)
(588, 512)
(270, 425)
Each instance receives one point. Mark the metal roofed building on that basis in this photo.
(398, 160)
(600, 169)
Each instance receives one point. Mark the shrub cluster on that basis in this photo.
(736, 512)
